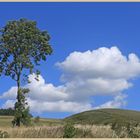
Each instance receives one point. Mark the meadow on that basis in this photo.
(89, 124)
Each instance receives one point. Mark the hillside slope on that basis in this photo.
(106, 116)
(98, 117)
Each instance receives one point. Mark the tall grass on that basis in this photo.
(83, 131)
(94, 131)
(35, 132)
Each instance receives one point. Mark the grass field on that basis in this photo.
(5, 121)
(103, 123)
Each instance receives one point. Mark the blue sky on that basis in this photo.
(80, 27)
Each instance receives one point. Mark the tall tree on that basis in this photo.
(22, 47)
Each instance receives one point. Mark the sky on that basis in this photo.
(95, 61)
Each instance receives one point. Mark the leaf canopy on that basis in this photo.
(22, 46)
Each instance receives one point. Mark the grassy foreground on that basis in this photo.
(103, 123)
(83, 131)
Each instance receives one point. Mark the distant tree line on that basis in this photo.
(7, 112)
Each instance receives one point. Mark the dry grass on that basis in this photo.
(105, 131)
(5, 121)
(35, 132)
(95, 131)
(83, 131)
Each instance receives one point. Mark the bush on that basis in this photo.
(69, 131)
(4, 134)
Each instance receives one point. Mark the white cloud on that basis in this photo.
(53, 106)
(9, 104)
(82, 89)
(105, 71)
(10, 94)
(57, 106)
(117, 102)
(103, 62)
(45, 91)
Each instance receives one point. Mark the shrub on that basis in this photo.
(4, 134)
(69, 131)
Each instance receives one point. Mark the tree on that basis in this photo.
(22, 47)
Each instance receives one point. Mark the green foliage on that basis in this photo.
(7, 112)
(4, 134)
(21, 109)
(69, 131)
(22, 47)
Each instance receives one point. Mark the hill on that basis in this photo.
(97, 117)
(106, 116)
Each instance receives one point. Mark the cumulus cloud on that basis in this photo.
(10, 94)
(117, 102)
(58, 106)
(103, 62)
(53, 106)
(9, 104)
(105, 71)
(45, 91)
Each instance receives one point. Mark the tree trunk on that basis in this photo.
(18, 99)
(18, 89)
(18, 122)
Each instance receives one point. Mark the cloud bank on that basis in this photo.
(105, 71)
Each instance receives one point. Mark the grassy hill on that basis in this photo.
(98, 117)
(105, 116)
